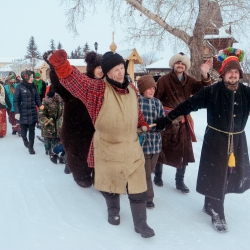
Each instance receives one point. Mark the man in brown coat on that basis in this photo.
(172, 89)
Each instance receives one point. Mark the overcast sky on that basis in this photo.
(46, 20)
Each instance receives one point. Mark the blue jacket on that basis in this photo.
(26, 98)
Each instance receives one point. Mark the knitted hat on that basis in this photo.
(110, 60)
(145, 82)
(230, 58)
(181, 57)
(93, 60)
(25, 74)
(37, 75)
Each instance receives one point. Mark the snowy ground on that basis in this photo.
(43, 208)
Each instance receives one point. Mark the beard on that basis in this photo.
(232, 83)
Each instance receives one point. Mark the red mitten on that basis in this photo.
(60, 63)
(145, 127)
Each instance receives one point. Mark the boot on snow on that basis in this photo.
(53, 157)
(140, 220)
(180, 185)
(66, 169)
(25, 142)
(179, 180)
(158, 175)
(113, 205)
(220, 225)
(31, 147)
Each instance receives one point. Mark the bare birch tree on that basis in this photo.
(154, 22)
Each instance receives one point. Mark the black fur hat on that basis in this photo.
(110, 60)
(93, 60)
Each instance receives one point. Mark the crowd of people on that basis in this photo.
(126, 132)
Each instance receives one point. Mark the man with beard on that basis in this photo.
(224, 163)
(172, 89)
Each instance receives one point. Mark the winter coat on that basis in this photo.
(223, 105)
(51, 109)
(4, 98)
(176, 140)
(10, 96)
(26, 98)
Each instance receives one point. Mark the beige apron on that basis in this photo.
(119, 159)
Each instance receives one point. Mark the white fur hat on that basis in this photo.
(181, 57)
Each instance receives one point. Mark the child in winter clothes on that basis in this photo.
(49, 113)
(152, 109)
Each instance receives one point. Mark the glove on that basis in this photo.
(162, 123)
(17, 116)
(59, 61)
(145, 127)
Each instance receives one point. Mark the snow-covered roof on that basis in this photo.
(77, 62)
(161, 64)
(222, 34)
(125, 53)
(6, 68)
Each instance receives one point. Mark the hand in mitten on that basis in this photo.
(17, 116)
(59, 61)
(47, 55)
(162, 123)
(145, 127)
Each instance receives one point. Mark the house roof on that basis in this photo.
(222, 34)
(6, 68)
(161, 64)
(131, 54)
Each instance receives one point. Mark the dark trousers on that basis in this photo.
(133, 198)
(179, 176)
(28, 127)
(150, 163)
(180, 173)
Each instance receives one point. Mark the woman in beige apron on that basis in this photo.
(115, 150)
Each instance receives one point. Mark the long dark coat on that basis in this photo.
(177, 147)
(26, 98)
(77, 131)
(223, 106)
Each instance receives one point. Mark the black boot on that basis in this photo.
(31, 147)
(66, 169)
(62, 160)
(140, 220)
(207, 206)
(179, 180)
(25, 142)
(113, 204)
(158, 175)
(53, 157)
(215, 208)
